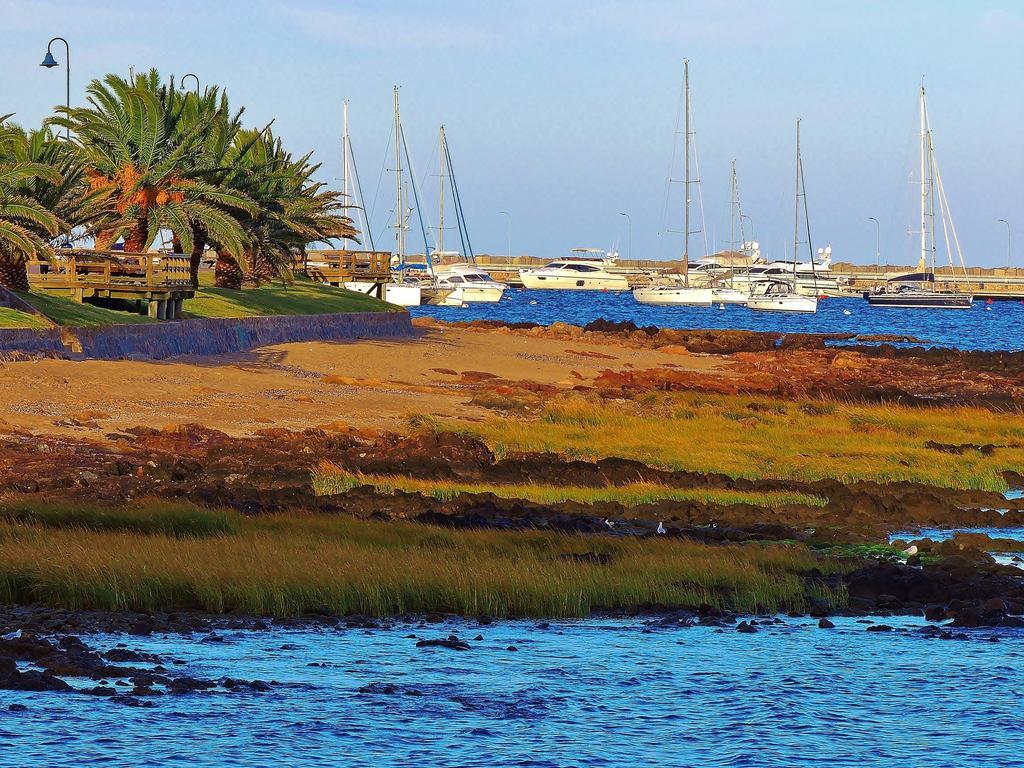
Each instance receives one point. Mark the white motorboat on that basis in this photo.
(469, 283)
(776, 296)
(674, 293)
(584, 270)
(813, 278)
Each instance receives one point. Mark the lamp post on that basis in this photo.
(629, 225)
(508, 216)
(49, 62)
(1004, 221)
(195, 77)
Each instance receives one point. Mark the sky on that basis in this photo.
(562, 113)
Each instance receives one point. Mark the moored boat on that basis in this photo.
(587, 269)
(918, 290)
(778, 296)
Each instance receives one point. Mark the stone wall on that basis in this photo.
(154, 341)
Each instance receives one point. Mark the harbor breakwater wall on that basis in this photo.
(155, 341)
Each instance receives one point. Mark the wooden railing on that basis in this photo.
(337, 267)
(112, 270)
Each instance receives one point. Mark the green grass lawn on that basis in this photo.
(303, 297)
(65, 311)
(12, 318)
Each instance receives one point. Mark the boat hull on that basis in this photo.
(400, 294)
(679, 297)
(923, 301)
(481, 294)
(790, 303)
(730, 296)
(560, 283)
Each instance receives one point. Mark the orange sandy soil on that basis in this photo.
(371, 384)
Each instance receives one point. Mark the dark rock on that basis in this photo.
(879, 628)
(824, 623)
(746, 628)
(511, 648)
(17, 708)
(451, 642)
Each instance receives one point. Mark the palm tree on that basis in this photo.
(291, 209)
(212, 166)
(147, 158)
(26, 225)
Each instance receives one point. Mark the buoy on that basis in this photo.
(534, 301)
(721, 306)
(847, 312)
(988, 300)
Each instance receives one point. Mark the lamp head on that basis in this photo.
(49, 62)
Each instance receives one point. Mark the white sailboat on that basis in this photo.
(678, 291)
(730, 294)
(401, 291)
(917, 290)
(465, 282)
(781, 295)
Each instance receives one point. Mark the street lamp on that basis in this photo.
(508, 215)
(49, 62)
(629, 223)
(878, 259)
(1004, 221)
(195, 77)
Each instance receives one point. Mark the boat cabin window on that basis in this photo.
(455, 279)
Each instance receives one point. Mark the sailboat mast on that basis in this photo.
(345, 153)
(796, 205)
(440, 190)
(924, 183)
(686, 171)
(399, 207)
(733, 209)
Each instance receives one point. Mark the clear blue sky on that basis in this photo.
(562, 112)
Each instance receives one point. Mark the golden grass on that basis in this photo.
(289, 565)
(756, 437)
(330, 479)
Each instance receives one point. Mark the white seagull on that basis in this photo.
(661, 528)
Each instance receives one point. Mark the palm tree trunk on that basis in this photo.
(138, 240)
(259, 270)
(13, 274)
(105, 239)
(198, 246)
(227, 273)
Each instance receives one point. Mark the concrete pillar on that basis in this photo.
(152, 308)
(161, 309)
(177, 304)
(139, 308)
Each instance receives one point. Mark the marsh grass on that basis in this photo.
(289, 565)
(178, 519)
(329, 479)
(756, 437)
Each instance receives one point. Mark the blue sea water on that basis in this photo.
(588, 693)
(996, 326)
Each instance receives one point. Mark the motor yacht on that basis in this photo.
(587, 269)
(469, 283)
